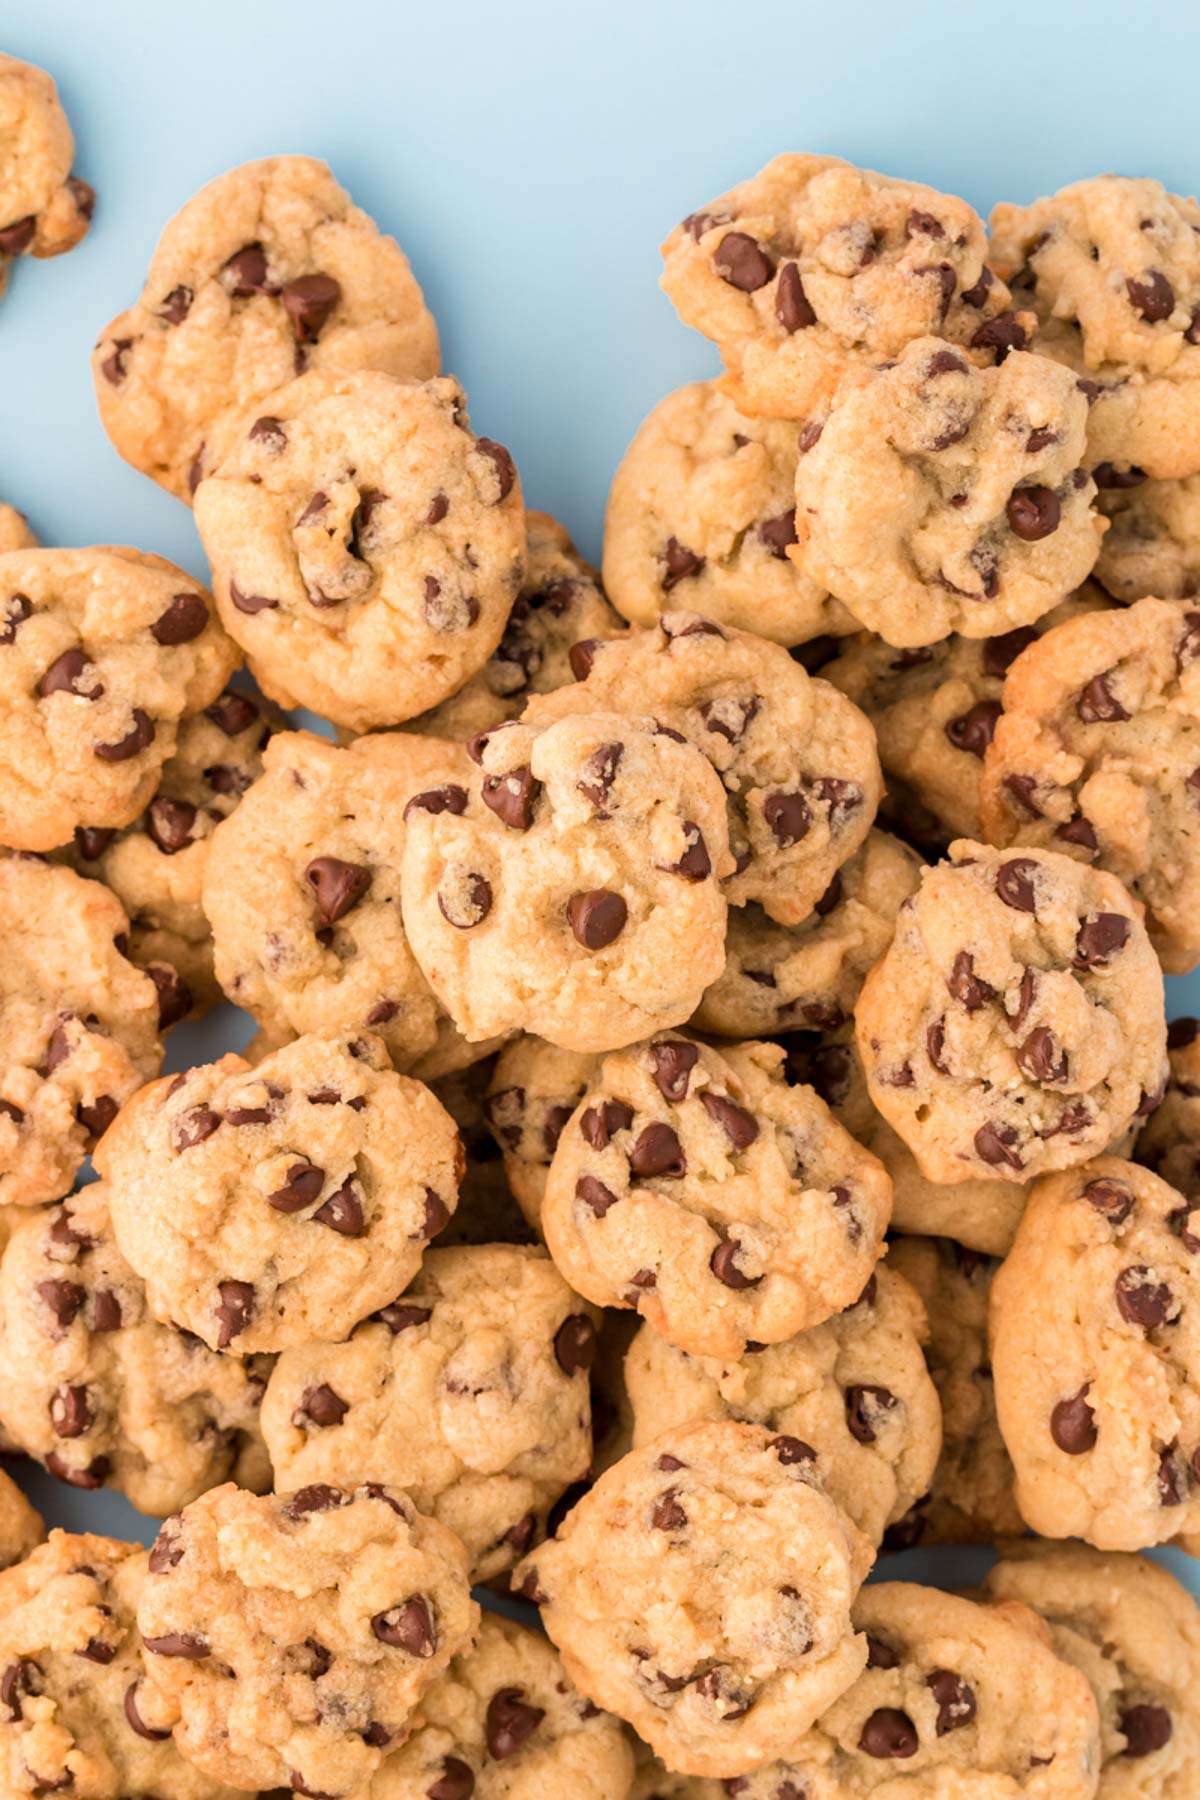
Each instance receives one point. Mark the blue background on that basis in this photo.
(530, 157)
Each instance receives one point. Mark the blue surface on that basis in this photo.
(530, 156)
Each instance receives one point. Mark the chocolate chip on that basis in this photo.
(889, 1733)
(679, 563)
(658, 1153)
(779, 532)
(10, 1111)
(407, 1627)
(1033, 513)
(667, 1514)
(968, 988)
(672, 1061)
(16, 238)
(436, 1216)
(113, 366)
(245, 272)
(994, 1145)
(399, 1317)
(139, 736)
(439, 506)
(456, 1781)
(1143, 1301)
(599, 772)
(865, 1405)
(880, 1655)
(999, 653)
(582, 655)
(724, 1265)
(974, 730)
(1040, 1058)
(321, 1406)
(232, 713)
(1145, 1729)
(342, 1212)
(170, 823)
(575, 1344)
(739, 1126)
(1014, 883)
(597, 918)
(792, 308)
(594, 1195)
(600, 1124)
(1099, 938)
(955, 1700)
(269, 432)
(553, 1121)
(1112, 1198)
(193, 1127)
(695, 864)
(67, 675)
(1000, 335)
(71, 1412)
(319, 1497)
(134, 1720)
(184, 620)
(338, 886)
(469, 905)
(792, 1452)
(788, 816)
(308, 302)
(510, 1722)
(501, 461)
(1073, 1424)
(1078, 831)
(1152, 295)
(187, 1644)
(1097, 704)
(301, 1186)
(512, 797)
(741, 261)
(250, 603)
(1107, 475)
(16, 610)
(234, 1311)
(89, 1479)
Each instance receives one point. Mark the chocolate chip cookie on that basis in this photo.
(15, 531)
(44, 209)
(1016, 1024)
(21, 1525)
(487, 1211)
(267, 271)
(267, 1206)
(534, 1089)
(1152, 545)
(1169, 1141)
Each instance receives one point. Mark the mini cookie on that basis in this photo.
(78, 1025)
(813, 270)
(1097, 753)
(302, 890)
(268, 270)
(534, 1089)
(970, 1498)
(1134, 1632)
(102, 652)
(653, 1782)
(1111, 266)
(725, 1206)
(504, 1721)
(956, 1699)
(264, 1207)
(808, 976)
(797, 760)
(1016, 1024)
(44, 209)
(938, 497)
(572, 888)
(156, 865)
(934, 709)
(366, 547)
(1152, 545)
(15, 533)
(333, 1610)
(1094, 1326)
(78, 1717)
(21, 1525)
(560, 602)
(470, 1391)
(854, 1389)
(702, 1592)
(700, 514)
(487, 1211)
(1169, 1141)
(99, 1392)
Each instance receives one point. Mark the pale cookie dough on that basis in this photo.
(102, 652)
(290, 1640)
(534, 1089)
(1097, 753)
(797, 760)
(1152, 545)
(560, 602)
(702, 1592)
(76, 1717)
(700, 514)
(156, 866)
(21, 1525)
(939, 497)
(970, 1497)
(1111, 267)
(855, 1390)
(101, 1393)
(1169, 1141)
(1095, 1328)
(267, 271)
(366, 546)
(44, 209)
(15, 532)
(725, 1206)
(470, 1391)
(302, 890)
(813, 270)
(572, 889)
(267, 1206)
(1134, 1632)
(934, 709)
(1016, 1024)
(78, 1025)
(504, 1722)
(807, 977)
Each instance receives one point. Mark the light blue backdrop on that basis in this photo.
(530, 156)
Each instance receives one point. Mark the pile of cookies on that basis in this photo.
(711, 1117)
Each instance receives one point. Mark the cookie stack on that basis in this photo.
(634, 958)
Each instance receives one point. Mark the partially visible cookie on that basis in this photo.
(268, 270)
(1152, 545)
(44, 209)
(534, 1089)
(487, 1211)
(1169, 1141)
(15, 530)
(21, 1525)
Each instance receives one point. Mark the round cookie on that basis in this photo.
(560, 602)
(702, 1592)
(700, 514)
(1016, 1025)
(99, 1392)
(534, 1089)
(1152, 545)
(1094, 1328)
(1097, 753)
(15, 532)
(1169, 1141)
(1111, 266)
(808, 976)
(970, 1498)
(854, 1389)
(21, 1525)
(78, 1024)
(504, 1721)
(572, 889)
(934, 709)
(302, 890)
(366, 547)
(1134, 1632)
(44, 209)
(102, 652)
(725, 1206)
(469, 1391)
(333, 1610)
(265, 1207)
(265, 272)
(77, 1716)
(813, 270)
(797, 760)
(939, 497)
